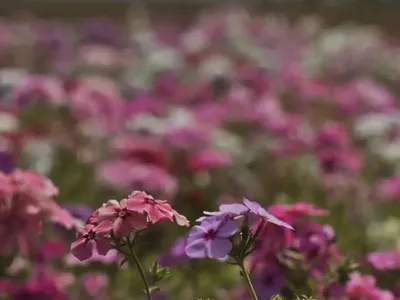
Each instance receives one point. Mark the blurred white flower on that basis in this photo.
(39, 153)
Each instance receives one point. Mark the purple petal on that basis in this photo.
(272, 219)
(196, 233)
(253, 206)
(212, 222)
(227, 230)
(218, 248)
(235, 209)
(196, 249)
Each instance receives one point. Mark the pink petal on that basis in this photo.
(181, 220)
(103, 228)
(81, 249)
(107, 212)
(137, 221)
(136, 205)
(103, 245)
(155, 215)
(122, 228)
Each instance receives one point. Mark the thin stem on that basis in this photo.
(140, 269)
(247, 279)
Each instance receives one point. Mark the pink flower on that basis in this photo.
(363, 287)
(389, 188)
(157, 210)
(92, 238)
(39, 88)
(94, 283)
(208, 159)
(385, 260)
(125, 220)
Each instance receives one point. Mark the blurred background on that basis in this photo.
(293, 104)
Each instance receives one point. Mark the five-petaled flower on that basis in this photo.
(211, 238)
(125, 220)
(92, 238)
(156, 210)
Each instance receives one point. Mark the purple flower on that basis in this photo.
(235, 211)
(211, 238)
(176, 255)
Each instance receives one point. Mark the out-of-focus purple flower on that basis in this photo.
(374, 95)
(345, 162)
(385, 260)
(211, 238)
(81, 212)
(176, 254)
(270, 280)
(99, 32)
(7, 162)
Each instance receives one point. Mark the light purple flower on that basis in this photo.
(211, 238)
(236, 210)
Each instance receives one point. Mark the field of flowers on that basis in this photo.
(239, 158)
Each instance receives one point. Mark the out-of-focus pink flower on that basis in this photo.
(331, 135)
(51, 249)
(145, 150)
(128, 174)
(345, 162)
(24, 211)
(297, 210)
(363, 287)
(157, 210)
(101, 109)
(94, 283)
(125, 220)
(92, 238)
(374, 95)
(385, 260)
(39, 89)
(389, 188)
(208, 159)
(100, 56)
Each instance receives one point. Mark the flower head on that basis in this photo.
(211, 238)
(92, 238)
(125, 220)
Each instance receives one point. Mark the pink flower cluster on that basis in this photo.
(26, 201)
(119, 219)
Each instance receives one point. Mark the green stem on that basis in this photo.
(140, 269)
(247, 279)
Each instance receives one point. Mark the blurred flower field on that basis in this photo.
(300, 118)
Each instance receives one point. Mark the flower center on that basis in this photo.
(149, 200)
(91, 235)
(122, 213)
(210, 235)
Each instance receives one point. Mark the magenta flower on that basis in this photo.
(385, 260)
(92, 238)
(125, 220)
(211, 238)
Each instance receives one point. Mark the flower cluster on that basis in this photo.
(116, 220)
(26, 201)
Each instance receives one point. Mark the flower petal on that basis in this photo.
(196, 233)
(196, 249)
(103, 245)
(82, 249)
(137, 221)
(228, 229)
(272, 219)
(235, 209)
(219, 248)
